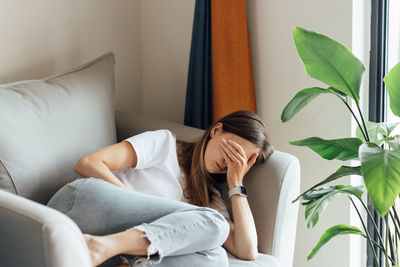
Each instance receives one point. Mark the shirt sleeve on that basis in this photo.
(152, 147)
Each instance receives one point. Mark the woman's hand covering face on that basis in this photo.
(237, 162)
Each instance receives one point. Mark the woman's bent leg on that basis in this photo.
(183, 232)
(172, 227)
(101, 208)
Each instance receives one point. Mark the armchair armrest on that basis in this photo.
(35, 235)
(272, 186)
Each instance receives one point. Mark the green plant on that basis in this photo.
(376, 150)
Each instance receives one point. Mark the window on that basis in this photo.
(393, 49)
(385, 54)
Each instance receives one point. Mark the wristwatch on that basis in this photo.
(239, 190)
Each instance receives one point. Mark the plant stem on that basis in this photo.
(392, 252)
(387, 238)
(396, 216)
(379, 246)
(354, 115)
(366, 231)
(373, 222)
(362, 118)
(395, 223)
(392, 246)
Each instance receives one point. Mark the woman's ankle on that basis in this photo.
(99, 249)
(132, 242)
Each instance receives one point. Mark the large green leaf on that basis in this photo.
(319, 200)
(393, 142)
(336, 230)
(329, 61)
(342, 149)
(301, 99)
(376, 131)
(381, 172)
(392, 81)
(342, 171)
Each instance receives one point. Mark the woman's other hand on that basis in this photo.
(237, 163)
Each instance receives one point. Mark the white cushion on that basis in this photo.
(48, 124)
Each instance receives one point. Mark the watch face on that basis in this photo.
(243, 190)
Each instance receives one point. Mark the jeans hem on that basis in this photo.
(154, 255)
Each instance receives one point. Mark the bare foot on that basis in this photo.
(98, 249)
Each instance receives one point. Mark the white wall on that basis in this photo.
(361, 49)
(43, 37)
(167, 34)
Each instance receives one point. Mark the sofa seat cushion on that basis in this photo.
(48, 124)
(263, 260)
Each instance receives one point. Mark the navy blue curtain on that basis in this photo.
(199, 93)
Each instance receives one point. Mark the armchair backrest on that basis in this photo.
(48, 124)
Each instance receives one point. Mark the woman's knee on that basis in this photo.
(221, 226)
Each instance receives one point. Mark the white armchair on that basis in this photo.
(48, 124)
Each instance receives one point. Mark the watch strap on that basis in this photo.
(239, 190)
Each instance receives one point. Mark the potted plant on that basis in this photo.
(376, 150)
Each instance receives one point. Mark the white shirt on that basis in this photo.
(157, 170)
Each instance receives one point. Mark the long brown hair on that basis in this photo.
(200, 183)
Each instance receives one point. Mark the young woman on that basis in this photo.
(153, 199)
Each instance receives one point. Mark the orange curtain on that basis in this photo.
(232, 69)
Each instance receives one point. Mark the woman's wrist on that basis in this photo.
(234, 184)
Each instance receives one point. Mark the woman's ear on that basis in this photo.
(216, 128)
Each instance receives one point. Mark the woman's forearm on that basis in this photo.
(97, 169)
(245, 235)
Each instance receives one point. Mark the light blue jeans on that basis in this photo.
(182, 234)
